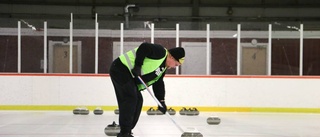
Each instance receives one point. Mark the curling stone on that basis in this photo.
(189, 112)
(213, 120)
(151, 111)
(116, 111)
(183, 111)
(84, 111)
(192, 133)
(112, 129)
(158, 112)
(171, 111)
(197, 112)
(98, 111)
(192, 112)
(76, 111)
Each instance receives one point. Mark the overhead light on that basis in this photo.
(229, 11)
(29, 25)
(235, 35)
(147, 24)
(293, 27)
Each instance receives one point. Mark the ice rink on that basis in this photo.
(233, 124)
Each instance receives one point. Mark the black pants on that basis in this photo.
(129, 98)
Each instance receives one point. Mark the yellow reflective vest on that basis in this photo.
(149, 66)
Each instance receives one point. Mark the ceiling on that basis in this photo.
(194, 5)
(174, 3)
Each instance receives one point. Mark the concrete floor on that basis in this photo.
(65, 124)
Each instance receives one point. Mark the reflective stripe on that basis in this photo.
(149, 65)
(134, 53)
(128, 61)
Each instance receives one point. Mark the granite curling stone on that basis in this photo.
(84, 111)
(213, 120)
(98, 111)
(192, 133)
(116, 111)
(112, 129)
(171, 111)
(192, 112)
(76, 111)
(151, 111)
(183, 111)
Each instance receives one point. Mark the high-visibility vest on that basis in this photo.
(149, 66)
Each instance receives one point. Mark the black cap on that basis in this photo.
(178, 54)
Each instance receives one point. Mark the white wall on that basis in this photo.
(208, 91)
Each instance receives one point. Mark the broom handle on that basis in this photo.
(145, 85)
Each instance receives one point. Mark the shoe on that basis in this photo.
(125, 135)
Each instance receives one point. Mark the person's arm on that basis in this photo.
(149, 50)
(159, 92)
(159, 89)
(153, 51)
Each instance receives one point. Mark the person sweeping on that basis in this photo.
(150, 62)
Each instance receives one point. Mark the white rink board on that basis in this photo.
(180, 91)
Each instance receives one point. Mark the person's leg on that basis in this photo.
(127, 106)
(126, 93)
(138, 109)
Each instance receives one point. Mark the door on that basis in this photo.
(59, 57)
(254, 60)
(195, 58)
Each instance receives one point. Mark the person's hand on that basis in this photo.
(163, 109)
(136, 71)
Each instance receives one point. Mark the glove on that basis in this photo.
(163, 109)
(136, 71)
